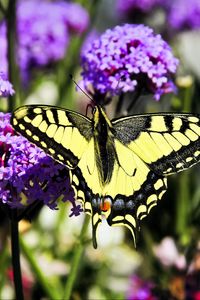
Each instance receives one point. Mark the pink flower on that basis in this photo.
(168, 254)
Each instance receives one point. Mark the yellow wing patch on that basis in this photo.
(89, 169)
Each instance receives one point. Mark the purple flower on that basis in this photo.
(43, 36)
(6, 88)
(192, 285)
(28, 175)
(127, 58)
(91, 36)
(184, 14)
(43, 29)
(76, 210)
(140, 289)
(75, 17)
(129, 7)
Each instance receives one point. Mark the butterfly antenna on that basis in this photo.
(78, 86)
(122, 78)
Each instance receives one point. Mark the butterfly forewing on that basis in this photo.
(61, 133)
(168, 143)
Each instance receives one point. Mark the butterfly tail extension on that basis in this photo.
(92, 208)
(95, 222)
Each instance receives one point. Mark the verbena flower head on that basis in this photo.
(75, 17)
(27, 174)
(184, 14)
(127, 58)
(43, 29)
(140, 289)
(43, 35)
(6, 88)
(133, 6)
(90, 37)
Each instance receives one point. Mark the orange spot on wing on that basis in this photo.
(105, 205)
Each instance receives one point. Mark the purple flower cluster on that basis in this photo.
(43, 36)
(180, 14)
(184, 14)
(140, 289)
(6, 88)
(28, 175)
(90, 37)
(127, 58)
(43, 30)
(131, 6)
(75, 17)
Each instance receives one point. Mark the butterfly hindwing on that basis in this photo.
(129, 210)
(168, 143)
(63, 134)
(134, 189)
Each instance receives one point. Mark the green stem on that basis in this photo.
(136, 96)
(71, 61)
(4, 267)
(119, 105)
(2, 9)
(65, 68)
(78, 252)
(183, 206)
(51, 292)
(11, 50)
(16, 256)
(183, 198)
(187, 98)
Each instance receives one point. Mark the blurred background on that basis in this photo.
(50, 37)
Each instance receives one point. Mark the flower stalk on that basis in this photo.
(11, 40)
(184, 195)
(16, 255)
(76, 260)
(2, 9)
(51, 292)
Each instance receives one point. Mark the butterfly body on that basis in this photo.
(117, 167)
(104, 145)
